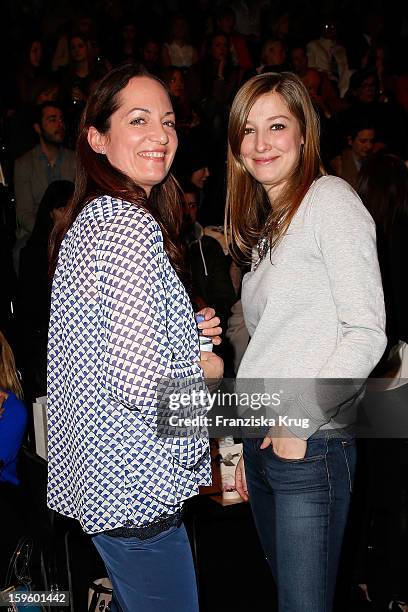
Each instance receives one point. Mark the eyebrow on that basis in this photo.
(273, 118)
(146, 110)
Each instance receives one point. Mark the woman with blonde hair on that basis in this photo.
(13, 422)
(313, 306)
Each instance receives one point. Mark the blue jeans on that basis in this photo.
(300, 509)
(153, 575)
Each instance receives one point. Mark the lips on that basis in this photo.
(153, 155)
(264, 161)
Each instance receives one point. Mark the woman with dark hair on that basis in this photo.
(313, 307)
(383, 187)
(122, 332)
(31, 73)
(33, 290)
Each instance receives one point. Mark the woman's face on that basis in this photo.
(142, 139)
(272, 142)
(78, 49)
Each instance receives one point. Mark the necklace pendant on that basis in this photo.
(262, 247)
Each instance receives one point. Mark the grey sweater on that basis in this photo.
(316, 310)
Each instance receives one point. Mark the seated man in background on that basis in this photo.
(360, 142)
(47, 162)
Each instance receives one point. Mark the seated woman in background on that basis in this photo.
(33, 295)
(13, 421)
(383, 187)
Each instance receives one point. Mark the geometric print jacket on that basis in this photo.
(121, 323)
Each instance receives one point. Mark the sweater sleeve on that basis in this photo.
(345, 235)
(129, 264)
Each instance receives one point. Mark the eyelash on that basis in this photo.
(276, 127)
(141, 121)
(137, 121)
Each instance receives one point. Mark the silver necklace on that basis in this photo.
(262, 248)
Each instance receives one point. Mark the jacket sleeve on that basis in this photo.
(133, 302)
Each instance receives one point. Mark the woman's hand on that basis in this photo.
(213, 367)
(211, 324)
(288, 447)
(240, 480)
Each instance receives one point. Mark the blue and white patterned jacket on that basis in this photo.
(116, 302)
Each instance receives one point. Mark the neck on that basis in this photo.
(50, 150)
(273, 192)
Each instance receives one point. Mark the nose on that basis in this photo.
(262, 143)
(159, 134)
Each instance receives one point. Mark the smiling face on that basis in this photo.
(141, 141)
(272, 142)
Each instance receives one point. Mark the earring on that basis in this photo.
(102, 151)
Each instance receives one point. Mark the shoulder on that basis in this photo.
(112, 210)
(25, 159)
(123, 222)
(334, 202)
(333, 192)
(17, 406)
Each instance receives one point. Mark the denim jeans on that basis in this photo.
(153, 575)
(300, 509)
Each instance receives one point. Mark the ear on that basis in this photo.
(96, 141)
(37, 128)
(349, 140)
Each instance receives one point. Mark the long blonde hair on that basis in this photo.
(248, 214)
(9, 380)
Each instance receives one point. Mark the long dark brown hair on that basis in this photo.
(249, 214)
(383, 187)
(95, 176)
